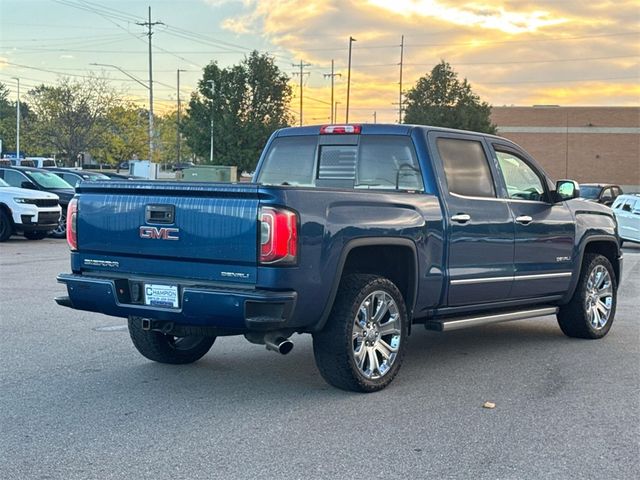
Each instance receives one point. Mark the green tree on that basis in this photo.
(124, 133)
(28, 141)
(166, 128)
(71, 116)
(247, 103)
(441, 99)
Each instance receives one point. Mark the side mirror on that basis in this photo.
(28, 185)
(566, 190)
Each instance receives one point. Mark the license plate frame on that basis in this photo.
(161, 295)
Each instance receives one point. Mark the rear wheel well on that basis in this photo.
(607, 249)
(395, 262)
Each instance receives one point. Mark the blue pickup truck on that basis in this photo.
(352, 233)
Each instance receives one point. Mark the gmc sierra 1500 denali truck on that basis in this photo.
(352, 233)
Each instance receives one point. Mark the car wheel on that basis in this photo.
(61, 230)
(590, 312)
(363, 343)
(38, 235)
(163, 348)
(6, 226)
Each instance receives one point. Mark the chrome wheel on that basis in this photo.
(376, 335)
(599, 297)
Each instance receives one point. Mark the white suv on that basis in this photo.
(627, 210)
(31, 212)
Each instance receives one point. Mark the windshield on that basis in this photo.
(590, 192)
(94, 176)
(47, 180)
(3, 183)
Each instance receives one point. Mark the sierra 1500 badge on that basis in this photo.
(155, 233)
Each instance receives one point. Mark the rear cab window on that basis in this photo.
(378, 162)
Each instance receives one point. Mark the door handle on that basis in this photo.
(524, 219)
(461, 218)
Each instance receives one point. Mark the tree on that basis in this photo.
(8, 124)
(166, 128)
(440, 99)
(248, 102)
(71, 115)
(124, 133)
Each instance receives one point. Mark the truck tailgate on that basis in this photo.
(185, 222)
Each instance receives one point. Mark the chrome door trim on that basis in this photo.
(539, 276)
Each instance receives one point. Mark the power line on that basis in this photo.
(302, 73)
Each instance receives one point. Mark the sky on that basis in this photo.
(517, 52)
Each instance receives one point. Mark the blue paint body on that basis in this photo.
(214, 261)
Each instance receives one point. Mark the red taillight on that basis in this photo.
(72, 224)
(340, 129)
(278, 236)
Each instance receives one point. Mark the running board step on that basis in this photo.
(458, 323)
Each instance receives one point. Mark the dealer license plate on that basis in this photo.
(161, 295)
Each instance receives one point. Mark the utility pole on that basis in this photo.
(302, 73)
(332, 76)
(375, 117)
(400, 109)
(179, 154)
(335, 110)
(18, 122)
(150, 25)
(213, 89)
(351, 40)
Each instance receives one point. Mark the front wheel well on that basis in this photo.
(608, 249)
(395, 262)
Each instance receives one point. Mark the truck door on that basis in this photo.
(479, 225)
(544, 231)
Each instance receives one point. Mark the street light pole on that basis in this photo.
(212, 86)
(179, 153)
(18, 122)
(351, 40)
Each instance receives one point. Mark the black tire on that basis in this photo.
(6, 226)
(574, 318)
(335, 346)
(61, 230)
(163, 348)
(38, 235)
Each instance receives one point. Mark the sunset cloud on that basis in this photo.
(523, 53)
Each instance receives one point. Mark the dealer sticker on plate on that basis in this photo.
(161, 295)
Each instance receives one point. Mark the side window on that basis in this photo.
(290, 161)
(523, 183)
(606, 194)
(388, 162)
(70, 179)
(466, 167)
(14, 179)
(628, 205)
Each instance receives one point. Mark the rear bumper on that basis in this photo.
(237, 310)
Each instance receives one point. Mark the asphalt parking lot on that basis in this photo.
(78, 402)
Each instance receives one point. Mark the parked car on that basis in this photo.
(74, 177)
(22, 162)
(604, 193)
(42, 162)
(39, 179)
(31, 213)
(351, 233)
(182, 166)
(627, 211)
(120, 176)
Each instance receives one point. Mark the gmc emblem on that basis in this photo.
(156, 233)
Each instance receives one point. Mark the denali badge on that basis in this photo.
(163, 233)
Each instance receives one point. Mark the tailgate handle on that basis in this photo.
(160, 214)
